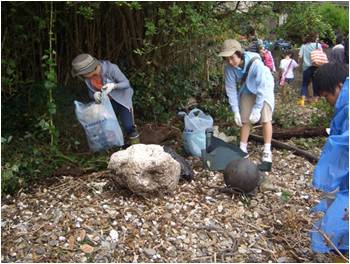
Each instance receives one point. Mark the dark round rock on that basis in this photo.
(241, 175)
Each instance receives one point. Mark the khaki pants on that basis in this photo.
(247, 102)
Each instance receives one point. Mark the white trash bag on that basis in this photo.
(196, 122)
(100, 124)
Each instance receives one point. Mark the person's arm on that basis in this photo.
(273, 62)
(120, 80)
(258, 71)
(295, 64)
(231, 89)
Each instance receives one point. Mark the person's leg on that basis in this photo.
(266, 121)
(127, 118)
(316, 94)
(267, 132)
(246, 104)
(305, 82)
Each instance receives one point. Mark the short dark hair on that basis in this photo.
(339, 40)
(311, 37)
(288, 53)
(329, 75)
(239, 54)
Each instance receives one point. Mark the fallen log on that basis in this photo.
(305, 132)
(278, 144)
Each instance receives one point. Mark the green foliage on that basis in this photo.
(310, 143)
(284, 118)
(285, 196)
(336, 16)
(50, 83)
(303, 19)
(25, 162)
(254, 20)
(323, 115)
(10, 76)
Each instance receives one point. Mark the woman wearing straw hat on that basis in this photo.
(102, 75)
(244, 71)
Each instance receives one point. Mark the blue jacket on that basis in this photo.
(332, 175)
(259, 82)
(111, 73)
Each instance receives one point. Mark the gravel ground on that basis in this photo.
(87, 219)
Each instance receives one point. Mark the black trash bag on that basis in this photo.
(186, 170)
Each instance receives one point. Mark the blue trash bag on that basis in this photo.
(100, 124)
(196, 122)
(335, 224)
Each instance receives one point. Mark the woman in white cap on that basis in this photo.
(245, 71)
(102, 75)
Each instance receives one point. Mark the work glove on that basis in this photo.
(238, 120)
(254, 117)
(98, 97)
(107, 88)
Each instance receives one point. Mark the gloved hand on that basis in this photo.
(107, 88)
(98, 97)
(238, 120)
(254, 117)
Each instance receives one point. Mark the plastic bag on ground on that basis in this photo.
(196, 122)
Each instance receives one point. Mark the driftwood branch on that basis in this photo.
(329, 241)
(305, 132)
(278, 144)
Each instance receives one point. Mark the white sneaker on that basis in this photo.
(267, 157)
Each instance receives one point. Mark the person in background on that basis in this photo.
(287, 66)
(267, 58)
(244, 71)
(338, 51)
(102, 76)
(309, 45)
(318, 57)
(331, 174)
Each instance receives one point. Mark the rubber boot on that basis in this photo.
(301, 101)
(134, 138)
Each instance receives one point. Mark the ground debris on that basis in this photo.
(87, 219)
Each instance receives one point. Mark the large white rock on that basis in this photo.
(145, 169)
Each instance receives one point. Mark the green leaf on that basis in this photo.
(52, 108)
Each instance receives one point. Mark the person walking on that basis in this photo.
(287, 66)
(309, 45)
(245, 71)
(267, 58)
(104, 76)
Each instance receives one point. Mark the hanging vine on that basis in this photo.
(50, 82)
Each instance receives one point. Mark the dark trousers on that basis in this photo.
(125, 116)
(307, 77)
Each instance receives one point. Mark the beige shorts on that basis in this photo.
(246, 104)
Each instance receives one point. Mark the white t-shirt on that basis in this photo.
(284, 66)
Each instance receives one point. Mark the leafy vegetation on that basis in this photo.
(305, 18)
